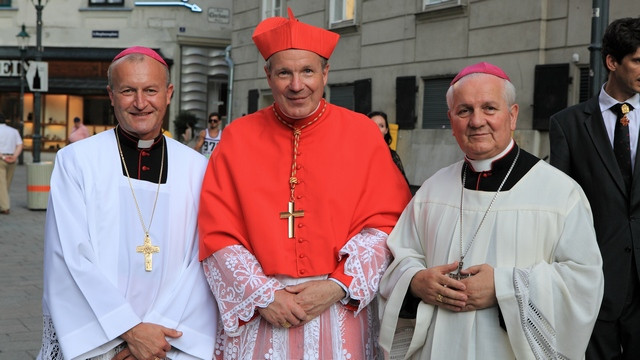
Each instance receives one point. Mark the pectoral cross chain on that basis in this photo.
(290, 215)
(147, 249)
(459, 275)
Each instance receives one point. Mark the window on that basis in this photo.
(434, 103)
(585, 83)
(550, 92)
(342, 95)
(342, 11)
(97, 110)
(435, 2)
(5, 3)
(271, 8)
(106, 2)
(443, 5)
(354, 96)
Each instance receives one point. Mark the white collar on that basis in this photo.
(485, 164)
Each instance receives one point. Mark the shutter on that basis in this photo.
(550, 93)
(585, 83)
(406, 102)
(342, 95)
(434, 103)
(362, 96)
(253, 101)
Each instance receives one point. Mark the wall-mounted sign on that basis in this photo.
(38, 76)
(110, 34)
(219, 15)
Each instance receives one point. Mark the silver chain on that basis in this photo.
(464, 181)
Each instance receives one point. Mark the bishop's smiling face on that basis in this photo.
(139, 93)
(481, 119)
(297, 79)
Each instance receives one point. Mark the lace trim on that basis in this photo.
(329, 336)
(368, 258)
(50, 349)
(111, 353)
(537, 329)
(239, 285)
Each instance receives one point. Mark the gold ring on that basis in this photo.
(439, 297)
(286, 325)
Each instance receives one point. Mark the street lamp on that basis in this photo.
(37, 96)
(23, 42)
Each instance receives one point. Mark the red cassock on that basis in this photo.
(347, 181)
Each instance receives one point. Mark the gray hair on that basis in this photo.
(134, 57)
(509, 90)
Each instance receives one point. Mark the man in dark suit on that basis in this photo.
(596, 143)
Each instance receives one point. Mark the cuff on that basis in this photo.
(346, 299)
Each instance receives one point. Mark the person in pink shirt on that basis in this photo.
(79, 131)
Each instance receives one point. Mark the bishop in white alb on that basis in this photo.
(95, 283)
(538, 237)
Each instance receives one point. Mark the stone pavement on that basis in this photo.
(21, 246)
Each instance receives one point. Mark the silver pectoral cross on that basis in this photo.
(459, 275)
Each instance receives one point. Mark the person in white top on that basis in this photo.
(10, 148)
(496, 256)
(209, 137)
(121, 272)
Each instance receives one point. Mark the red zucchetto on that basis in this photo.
(141, 50)
(481, 67)
(277, 33)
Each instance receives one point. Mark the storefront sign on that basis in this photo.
(9, 68)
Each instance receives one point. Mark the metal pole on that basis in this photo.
(599, 21)
(229, 60)
(37, 96)
(21, 105)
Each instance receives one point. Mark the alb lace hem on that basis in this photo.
(537, 329)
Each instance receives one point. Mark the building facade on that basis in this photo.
(399, 57)
(80, 38)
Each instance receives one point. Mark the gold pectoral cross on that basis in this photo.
(147, 249)
(290, 214)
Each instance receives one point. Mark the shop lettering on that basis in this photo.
(10, 68)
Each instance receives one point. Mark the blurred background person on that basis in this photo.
(210, 137)
(380, 118)
(187, 135)
(79, 131)
(10, 148)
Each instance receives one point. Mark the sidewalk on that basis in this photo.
(21, 246)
